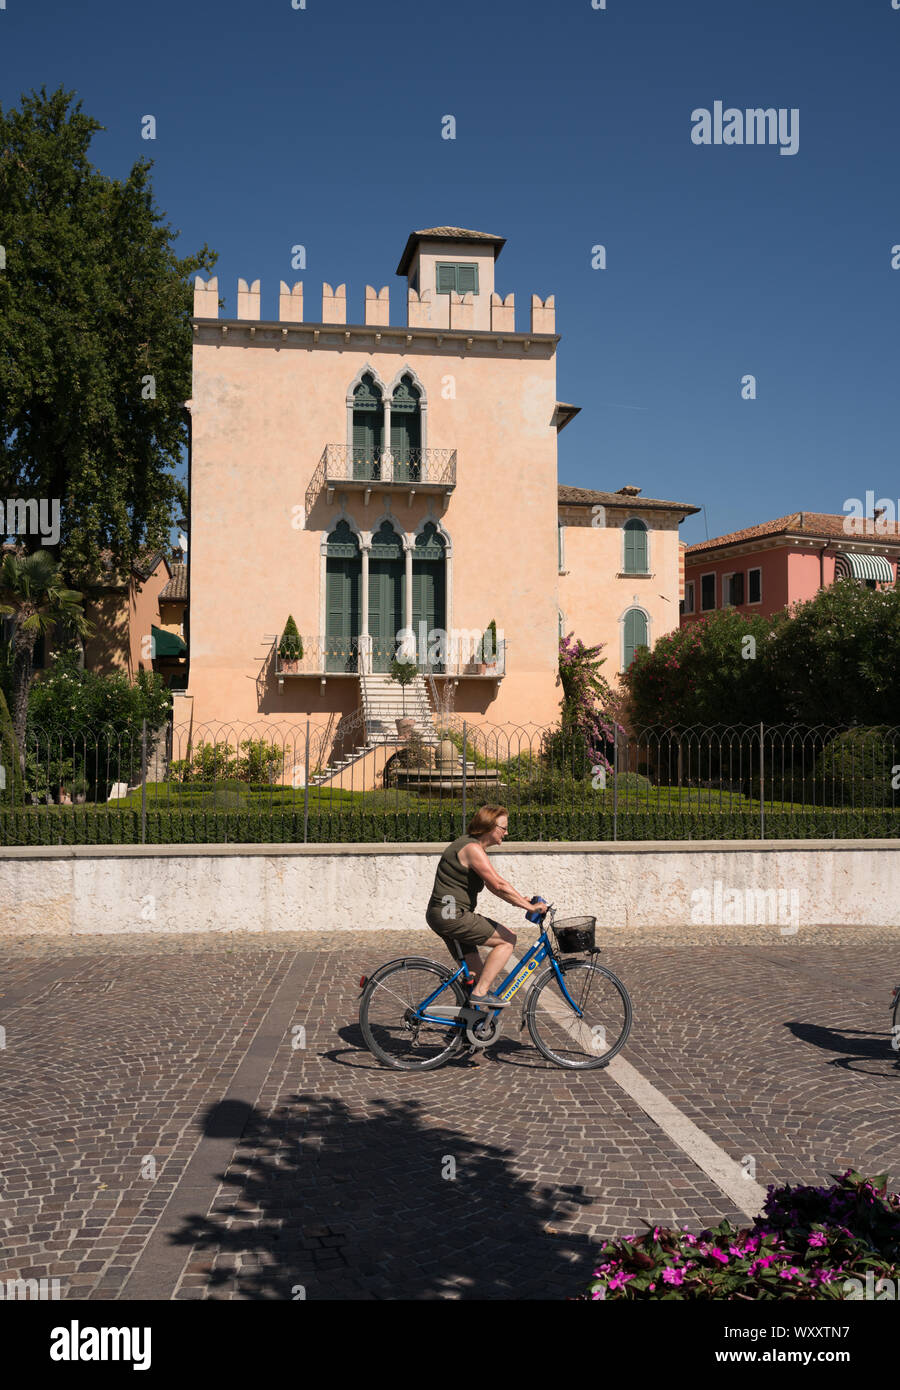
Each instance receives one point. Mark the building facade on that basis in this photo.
(394, 487)
(769, 567)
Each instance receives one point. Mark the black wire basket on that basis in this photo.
(575, 934)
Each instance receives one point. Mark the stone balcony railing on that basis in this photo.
(415, 470)
(330, 656)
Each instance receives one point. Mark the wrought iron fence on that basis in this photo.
(335, 781)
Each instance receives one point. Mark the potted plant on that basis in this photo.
(404, 673)
(290, 649)
(489, 649)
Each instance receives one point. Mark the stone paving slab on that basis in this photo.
(329, 1173)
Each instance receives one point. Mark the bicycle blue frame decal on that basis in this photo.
(523, 971)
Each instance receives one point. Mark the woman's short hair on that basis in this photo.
(485, 818)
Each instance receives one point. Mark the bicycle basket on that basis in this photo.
(575, 933)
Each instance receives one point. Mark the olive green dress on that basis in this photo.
(451, 908)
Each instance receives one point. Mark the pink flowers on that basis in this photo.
(673, 1276)
(817, 1238)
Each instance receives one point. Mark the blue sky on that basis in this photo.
(322, 126)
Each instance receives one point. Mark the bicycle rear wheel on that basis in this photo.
(388, 1002)
(560, 1035)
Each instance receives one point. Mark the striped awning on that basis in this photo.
(854, 566)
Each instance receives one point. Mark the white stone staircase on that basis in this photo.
(383, 705)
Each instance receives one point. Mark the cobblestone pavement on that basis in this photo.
(167, 1132)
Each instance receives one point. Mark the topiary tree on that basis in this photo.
(291, 646)
(404, 673)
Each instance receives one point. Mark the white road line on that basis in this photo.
(746, 1194)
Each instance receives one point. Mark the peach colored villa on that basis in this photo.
(395, 484)
(764, 568)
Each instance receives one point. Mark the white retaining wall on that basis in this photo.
(76, 890)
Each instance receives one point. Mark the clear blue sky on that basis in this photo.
(322, 126)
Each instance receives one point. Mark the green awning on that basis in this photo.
(167, 643)
(865, 567)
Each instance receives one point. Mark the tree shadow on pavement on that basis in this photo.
(331, 1203)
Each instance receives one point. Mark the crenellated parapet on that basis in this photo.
(424, 309)
(543, 314)
(334, 304)
(248, 300)
(378, 306)
(206, 298)
(290, 302)
(503, 314)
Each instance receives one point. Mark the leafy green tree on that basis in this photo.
(838, 656)
(82, 722)
(95, 340)
(33, 594)
(718, 670)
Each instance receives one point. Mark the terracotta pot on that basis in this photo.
(289, 664)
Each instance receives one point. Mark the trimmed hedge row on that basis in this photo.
(68, 826)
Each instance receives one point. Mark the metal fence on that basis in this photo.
(332, 781)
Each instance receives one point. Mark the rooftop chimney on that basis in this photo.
(629, 490)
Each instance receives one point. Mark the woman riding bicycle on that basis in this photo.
(462, 871)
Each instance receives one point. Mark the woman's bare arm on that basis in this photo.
(476, 858)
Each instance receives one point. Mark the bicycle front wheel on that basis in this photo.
(603, 1004)
(386, 1015)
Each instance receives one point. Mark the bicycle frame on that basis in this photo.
(525, 970)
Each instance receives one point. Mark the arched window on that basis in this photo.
(368, 429)
(429, 596)
(387, 596)
(406, 431)
(635, 547)
(635, 635)
(342, 593)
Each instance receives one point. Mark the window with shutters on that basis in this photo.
(732, 589)
(461, 277)
(707, 592)
(406, 431)
(368, 429)
(687, 603)
(635, 537)
(635, 635)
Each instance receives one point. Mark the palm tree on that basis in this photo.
(32, 592)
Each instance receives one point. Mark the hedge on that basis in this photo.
(53, 825)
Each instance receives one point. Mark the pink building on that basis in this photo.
(390, 482)
(768, 567)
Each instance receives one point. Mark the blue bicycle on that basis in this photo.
(578, 1013)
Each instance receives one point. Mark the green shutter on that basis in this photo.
(467, 279)
(446, 278)
(635, 634)
(635, 548)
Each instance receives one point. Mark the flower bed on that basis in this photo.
(806, 1244)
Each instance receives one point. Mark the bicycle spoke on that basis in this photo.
(389, 1026)
(598, 1034)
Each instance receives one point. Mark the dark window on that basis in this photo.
(707, 591)
(687, 603)
(737, 588)
(754, 585)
